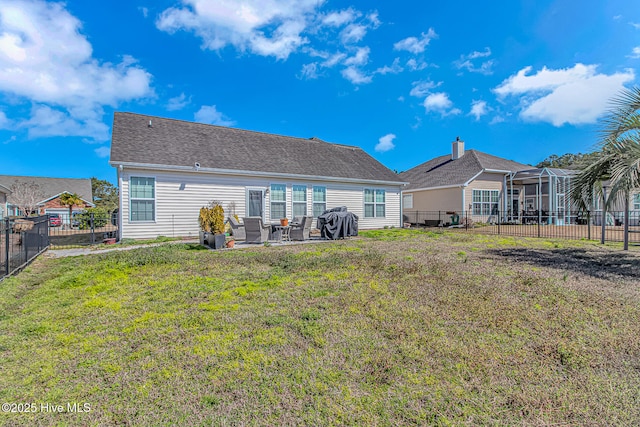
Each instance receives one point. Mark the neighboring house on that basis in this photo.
(4, 192)
(485, 186)
(168, 169)
(50, 190)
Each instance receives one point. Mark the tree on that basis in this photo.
(568, 161)
(618, 160)
(70, 200)
(105, 194)
(25, 195)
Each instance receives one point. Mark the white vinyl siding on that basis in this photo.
(278, 201)
(299, 200)
(143, 199)
(180, 195)
(374, 203)
(485, 202)
(319, 200)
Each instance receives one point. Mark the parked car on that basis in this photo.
(55, 220)
(75, 219)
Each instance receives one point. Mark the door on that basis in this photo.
(255, 202)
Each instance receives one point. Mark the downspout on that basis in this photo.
(119, 170)
(401, 209)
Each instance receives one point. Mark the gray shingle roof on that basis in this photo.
(51, 187)
(443, 171)
(170, 142)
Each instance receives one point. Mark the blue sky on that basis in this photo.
(518, 79)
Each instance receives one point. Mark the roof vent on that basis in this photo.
(150, 124)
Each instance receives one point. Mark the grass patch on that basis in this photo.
(398, 327)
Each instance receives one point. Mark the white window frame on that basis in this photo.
(153, 199)
(279, 202)
(375, 202)
(295, 203)
(636, 202)
(478, 207)
(407, 201)
(321, 202)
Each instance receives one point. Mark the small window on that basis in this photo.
(142, 195)
(319, 200)
(636, 202)
(374, 203)
(278, 201)
(299, 200)
(407, 201)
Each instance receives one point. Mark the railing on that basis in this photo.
(557, 225)
(82, 228)
(21, 241)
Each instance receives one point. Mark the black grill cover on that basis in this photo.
(337, 223)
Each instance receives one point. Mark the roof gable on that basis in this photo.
(151, 140)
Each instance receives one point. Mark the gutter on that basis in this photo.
(236, 172)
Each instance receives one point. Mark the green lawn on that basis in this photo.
(398, 327)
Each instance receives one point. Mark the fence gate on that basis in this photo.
(21, 241)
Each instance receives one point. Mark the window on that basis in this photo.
(485, 202)
(278, 201)
(407, 201)
(299, 200)
(142, 195)
(319, 201)
(636, 202)
(374, 203)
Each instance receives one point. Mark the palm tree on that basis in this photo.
(70, 200)
(618, 160)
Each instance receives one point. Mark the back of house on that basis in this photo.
(168, 169)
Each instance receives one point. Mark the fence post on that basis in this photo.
(499, 223)
(588, 225)
(539, 226)
(93, 234)
(6, 246)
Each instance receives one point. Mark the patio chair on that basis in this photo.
(237, 229)
(301, 230)
(256, 231)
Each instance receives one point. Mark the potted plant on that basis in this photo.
(211, 220)
(231, 242)
(284, 222)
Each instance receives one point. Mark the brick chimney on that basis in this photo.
(457, 149)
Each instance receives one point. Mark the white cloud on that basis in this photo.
(635, 52)
(5, 123)
(103, 151)
(210, 115)
(385, 143)
(395, 68)
(334, 59)
(145, 11)
(178, 102)
(356, 76)
(340, 18)
(361, 57)
(496, 120)
(353, 33)
(440, 103)
(421, 88)
(309, 71)
(45, 59)
(415, 44)
(268, 28)
(414, 65)
(574, 95)
(635, 25)
(467, 62)
(478, 109)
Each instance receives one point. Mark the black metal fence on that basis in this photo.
(21, 241)
(555, 225)
(82, 228)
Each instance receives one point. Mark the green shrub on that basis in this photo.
(100, 218)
